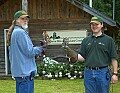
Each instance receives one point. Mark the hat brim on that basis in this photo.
(94, 22)
(25, 16)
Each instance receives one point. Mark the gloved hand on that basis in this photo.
(43, 42)
(44, 48)
(71, 53)
(66, 50)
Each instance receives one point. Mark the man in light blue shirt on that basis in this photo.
(22, 53)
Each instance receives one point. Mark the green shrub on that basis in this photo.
(51, 69)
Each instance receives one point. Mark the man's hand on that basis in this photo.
(42, 42)
(71, 53)
(44, 48)
(114, 79)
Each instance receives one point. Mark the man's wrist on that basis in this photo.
(115, 73)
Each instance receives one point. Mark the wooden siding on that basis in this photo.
(43, 9)
(45, 15)
(54, 9)
(8, 9)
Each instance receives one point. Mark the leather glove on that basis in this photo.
(44, 48)
(71, 53)
(43, 42)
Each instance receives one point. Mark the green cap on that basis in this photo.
(21, 13)
(96, 19)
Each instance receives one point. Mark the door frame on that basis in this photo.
(6, 52)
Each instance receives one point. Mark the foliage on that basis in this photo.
(106, 7)
(118, 48)
(117, 11)
(52, 69)
(118, 39)
(103, 6)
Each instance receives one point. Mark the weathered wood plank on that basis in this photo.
(42, 9)
(34, 9)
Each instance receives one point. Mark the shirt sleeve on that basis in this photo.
(113, 52)
(25, 44)
(82, 49)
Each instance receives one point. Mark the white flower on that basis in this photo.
(69, 76)
(75, 71)
(50, 75)
(46, 62)
(46, 75)
(43, 72)
(80, 76)
(68, 73)
(72, 78)
(71, 65)
(52, 79)
(62, 67)
(80, 72)
(60, 73)
(45, 65)
(37, 75)
(56, 75)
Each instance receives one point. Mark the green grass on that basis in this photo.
(59, 86)
(53, 86)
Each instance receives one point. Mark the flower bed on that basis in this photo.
(51, 69)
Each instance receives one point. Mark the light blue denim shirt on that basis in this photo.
(22, 53)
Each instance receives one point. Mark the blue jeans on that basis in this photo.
(97, 81)
(24, 85)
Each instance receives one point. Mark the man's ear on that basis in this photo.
(102, 24)
(17, 20)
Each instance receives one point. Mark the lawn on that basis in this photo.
(53, 86)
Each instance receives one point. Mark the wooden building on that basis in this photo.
(50, 15)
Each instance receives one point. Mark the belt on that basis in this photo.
(95, 68)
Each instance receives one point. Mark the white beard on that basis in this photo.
(25, 27)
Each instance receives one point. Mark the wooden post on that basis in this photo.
(25, 5)
(25, 8)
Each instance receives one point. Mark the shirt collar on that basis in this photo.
(17, 26)
(98, 36)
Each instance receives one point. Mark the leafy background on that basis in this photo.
(106, 7)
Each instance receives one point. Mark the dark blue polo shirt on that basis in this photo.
(98, 51)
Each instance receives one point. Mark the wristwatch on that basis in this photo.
(114, 73)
